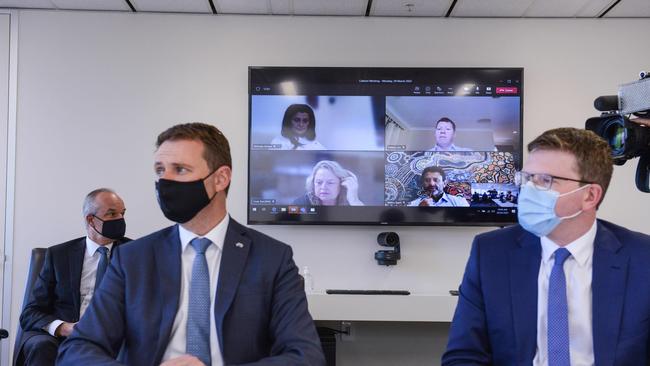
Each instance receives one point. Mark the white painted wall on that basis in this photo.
(94, 90)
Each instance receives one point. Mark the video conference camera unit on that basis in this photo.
(626, 138)
(388, 257)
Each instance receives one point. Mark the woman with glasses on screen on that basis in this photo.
(298, 130)
(329, 184)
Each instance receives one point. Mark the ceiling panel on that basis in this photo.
(492, 8)
(92, 4)
(410, 8)
(242, 7)
(556, 8)
(594, 8)
(329, 7)
(402, 8)
(297, 7)
(173, 6)
(630, 8)
(41, 4)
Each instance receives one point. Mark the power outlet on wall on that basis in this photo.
(347, 332)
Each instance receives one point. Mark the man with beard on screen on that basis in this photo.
(433, 183)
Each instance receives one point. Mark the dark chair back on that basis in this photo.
(35, 265)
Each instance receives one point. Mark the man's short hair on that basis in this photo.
(593, 154)
(216, 150)
(448, 120)
(90, 203)
(434, 169)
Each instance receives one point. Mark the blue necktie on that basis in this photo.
(558, 313)
(198, 317)
(101, 267)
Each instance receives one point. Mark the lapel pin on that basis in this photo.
(239, 245)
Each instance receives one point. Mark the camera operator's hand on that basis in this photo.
(641, 121)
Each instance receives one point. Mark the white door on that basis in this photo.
(6, 221)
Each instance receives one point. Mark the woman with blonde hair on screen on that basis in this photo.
(329, 184)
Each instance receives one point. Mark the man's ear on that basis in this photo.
(593, 197)
(221, 178)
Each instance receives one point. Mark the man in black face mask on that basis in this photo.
(207, 291)
(71, 273)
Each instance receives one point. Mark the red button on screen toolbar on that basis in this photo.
(507, 90)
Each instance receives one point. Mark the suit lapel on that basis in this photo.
(524, 271)
(233, 260)
(608, 286)
(76, 259)
(168, 264)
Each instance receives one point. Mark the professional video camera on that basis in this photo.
(626, 138)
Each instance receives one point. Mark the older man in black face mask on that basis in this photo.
(207, 291)
(71, 273)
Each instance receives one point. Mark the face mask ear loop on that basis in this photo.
(93, 226)
(216, 192)
(567, 193)
(208, 176)
(575, 190)
(214, 195)
(570, 216)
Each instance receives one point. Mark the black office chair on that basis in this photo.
(35, 265)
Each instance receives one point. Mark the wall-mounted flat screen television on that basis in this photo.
(384, 146)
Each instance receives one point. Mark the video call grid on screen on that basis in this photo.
(384, 146)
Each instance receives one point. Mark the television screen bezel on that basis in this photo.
(295, 219)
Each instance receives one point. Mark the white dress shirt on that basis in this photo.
(451, 147)
(87, 284)
(446, 200)
(303, 144)
(178, 340)
(578, 273)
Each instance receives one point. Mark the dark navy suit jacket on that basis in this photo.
(260, 308)
(496, 318)
(56, 292)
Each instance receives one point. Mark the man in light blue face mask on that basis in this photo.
(562, 287)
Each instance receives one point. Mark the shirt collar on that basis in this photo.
(451, 147)
(582, 249)
(217, 234)
(91, 247)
